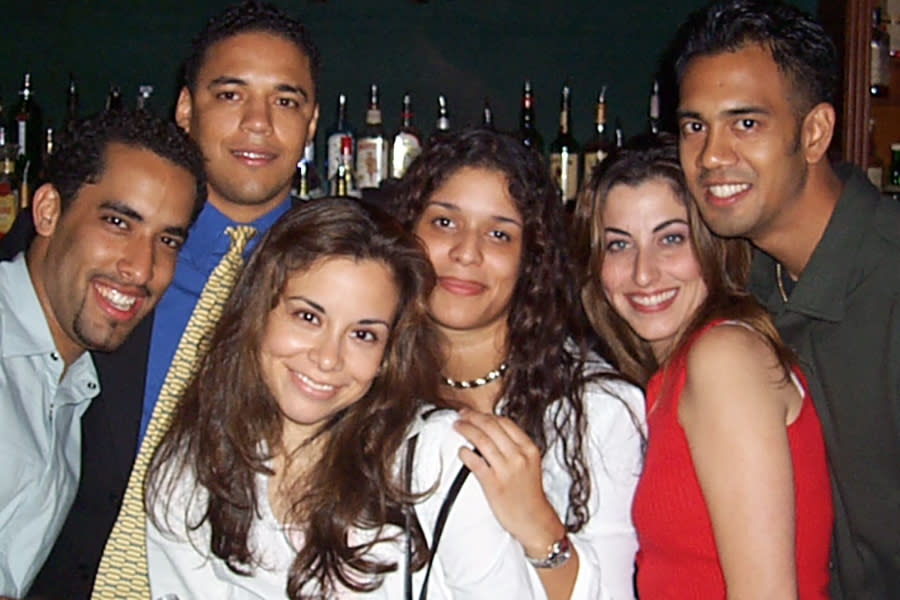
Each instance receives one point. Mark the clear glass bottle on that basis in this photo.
(339, 129)
(405, 144)
(372, 147)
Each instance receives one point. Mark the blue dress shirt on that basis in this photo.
(40, 430)
(205, 246)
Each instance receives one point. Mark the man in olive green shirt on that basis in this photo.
(756, 118)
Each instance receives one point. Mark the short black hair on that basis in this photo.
(248, 17)
(801, 48)
(79, 156)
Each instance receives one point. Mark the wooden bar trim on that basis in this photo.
(857, 104)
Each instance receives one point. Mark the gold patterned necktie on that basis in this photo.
(123, 568)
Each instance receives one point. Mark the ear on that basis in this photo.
(184, 108)
(817, 131)
(46, 207)
(313, 123)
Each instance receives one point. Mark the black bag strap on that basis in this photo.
(443, 513)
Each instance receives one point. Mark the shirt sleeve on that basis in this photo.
(607, 543)
(476, 558)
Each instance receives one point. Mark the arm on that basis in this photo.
(510, 473)
(735, 425)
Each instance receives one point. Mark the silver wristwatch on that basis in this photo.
(557, 555)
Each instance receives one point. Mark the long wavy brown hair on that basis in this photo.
(546, 334)
(228, 427)
(724, 263)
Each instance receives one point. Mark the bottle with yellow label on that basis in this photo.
(9, 189)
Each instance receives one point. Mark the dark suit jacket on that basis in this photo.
(109, 432)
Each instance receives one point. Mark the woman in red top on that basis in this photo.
(734, 499)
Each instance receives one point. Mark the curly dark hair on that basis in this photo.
(246, 17)
(724, 263)
(79, 156)
(227, 427)
(545, 340)
(801, 48)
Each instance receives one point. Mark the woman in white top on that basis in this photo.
(558, 436)
(279, 475)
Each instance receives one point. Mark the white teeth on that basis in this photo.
(323, 387)
(653, 299)
(728, 189)
(252, 155)
(119, 300)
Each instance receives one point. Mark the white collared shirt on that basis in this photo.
(40, 430)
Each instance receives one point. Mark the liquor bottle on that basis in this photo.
(875, 168)
(340, 129)
(620, 135)
(879, 65)
(894, 175)
(143, 97)
(71, 103)
(487, 116)
(26, 131)
(342, 184)
(564, 153)
(372, 147)
(405, 145)
(596, 150)
(46, 153)
(114, 99)
(9, 188)
(528, 132)
(442, 123)
(307, 182)
(654, 109)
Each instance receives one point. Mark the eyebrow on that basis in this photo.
(322, 310)
(124, 210)
(656, 229)
(281, 87)
(454, 207)
(731, 112)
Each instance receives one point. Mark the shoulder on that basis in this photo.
(728, 364)
(729, 344)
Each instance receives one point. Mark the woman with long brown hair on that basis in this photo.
(281, 473)
(734, 498)
(556, 429)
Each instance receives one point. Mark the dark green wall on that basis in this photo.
(465, 49)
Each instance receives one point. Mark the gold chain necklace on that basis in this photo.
(778, 280)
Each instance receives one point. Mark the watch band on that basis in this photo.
(557, 555)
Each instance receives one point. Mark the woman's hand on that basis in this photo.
(509, 471)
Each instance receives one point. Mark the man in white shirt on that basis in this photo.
(123, 190)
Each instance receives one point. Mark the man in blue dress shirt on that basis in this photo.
(249, 101)
(123, 191)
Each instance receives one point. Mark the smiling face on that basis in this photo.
(323, 342)
(251, 112)
(740, 141)
(100, 266)
(650, 274)
(473, 234)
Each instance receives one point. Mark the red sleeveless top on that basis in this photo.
(677, 557)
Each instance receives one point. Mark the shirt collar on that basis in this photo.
(207, 231)
(24, 330)
(821, 290)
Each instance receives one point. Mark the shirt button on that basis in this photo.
(54, 356)
(92, 385)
